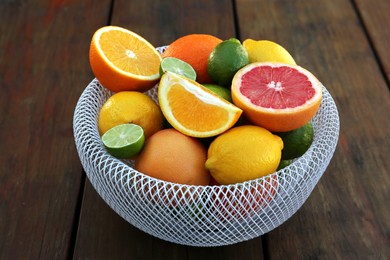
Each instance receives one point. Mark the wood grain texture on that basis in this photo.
(44, 67)
(347, 216)
(376, 20)
(162, 22)
(105, 235)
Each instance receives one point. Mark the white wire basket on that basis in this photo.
(201, 215)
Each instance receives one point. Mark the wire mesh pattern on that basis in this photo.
(201, 215)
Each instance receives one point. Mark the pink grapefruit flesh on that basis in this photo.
(279, 97)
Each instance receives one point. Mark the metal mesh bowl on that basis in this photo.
(201, 215)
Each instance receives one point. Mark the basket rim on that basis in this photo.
(130, 170)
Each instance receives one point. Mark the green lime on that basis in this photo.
(296, 142)
(283, 164)
(225, 60)
(177, 66)
(124, 141)
(220, 91)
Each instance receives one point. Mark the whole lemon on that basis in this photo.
(243, 153)
(131, 107)
(267, 51)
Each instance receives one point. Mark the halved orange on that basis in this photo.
(194, 110)
(122, 60)
(277, 96)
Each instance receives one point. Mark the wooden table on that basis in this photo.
(48, 208)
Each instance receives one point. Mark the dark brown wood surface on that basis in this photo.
(49, 210)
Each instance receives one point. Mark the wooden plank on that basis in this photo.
(102, 234)
(44, 67)
(163, 22)
(248, 250)
(105, 235)
(347, 216)
(376, 19)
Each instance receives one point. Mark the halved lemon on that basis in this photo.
(193, 109)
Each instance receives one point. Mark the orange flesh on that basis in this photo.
(129, 53)
(207, 117)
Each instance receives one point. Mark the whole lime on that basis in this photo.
(225, 60)
(296, 142)
(284, 164)
(220, 91)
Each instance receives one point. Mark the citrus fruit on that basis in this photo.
(130, 107)
(124, 141)
(193, 109)
(232, 202)
(296, 142)
(174, 157)
(279, 97)
(195, 50)
(177, 66)
(123, 60)
(243, 153)
(284, 164)
(220, 91)
(225, 60)
(265, 51)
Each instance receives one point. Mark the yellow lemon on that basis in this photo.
(131, 107)
(267, 51)
(243, 153)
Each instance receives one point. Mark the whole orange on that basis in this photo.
(172, 156)
(194, 49)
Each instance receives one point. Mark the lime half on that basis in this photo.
(124, 141)
(177, 66)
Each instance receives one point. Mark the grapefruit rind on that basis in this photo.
(170, 80)
(277, 120)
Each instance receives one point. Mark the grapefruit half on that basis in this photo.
(279, 97)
